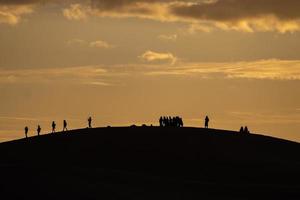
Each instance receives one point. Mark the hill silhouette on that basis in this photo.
(150, 163)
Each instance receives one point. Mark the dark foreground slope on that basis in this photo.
(150, 163)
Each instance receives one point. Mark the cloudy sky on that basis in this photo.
(130, 61)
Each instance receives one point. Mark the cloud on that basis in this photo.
(145, 9)
(91, 75)
(76, 12)
(12, 14)
(157, 64)
(168, 37)
(265, 117)
(76, 41)
(151, 56)
(239, 15)
(101, 44)
(272, 69)
(230, 10)
(12, 11)
(93, 44)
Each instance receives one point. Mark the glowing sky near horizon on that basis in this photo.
(130, 61)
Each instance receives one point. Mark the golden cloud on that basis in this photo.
(76, 12)
(205, 15)
(93, 75)
(108, 76)
(172, 37)
(151, 56)
(239, 15)
(272, 69)
(12, 14)
(93, 44)
(101, 44)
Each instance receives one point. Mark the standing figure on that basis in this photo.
(161, 122)
(206, 122)
(39, 130)
(65, 126)
(180, 122)
(242, 130)
(170, 121)
(90, 122)
(26, 131)
(165, 121)
(53, 127)
(246, 130)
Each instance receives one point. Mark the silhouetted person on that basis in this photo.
(53, 127)
(180, 122)
(206, 122)
(246, 130)
(90, 122)
(166, 123)
(26, 131)
(242, 129)
(177, 121)
(38, 130)
(170, 121)
(65, 125)
(161, 122)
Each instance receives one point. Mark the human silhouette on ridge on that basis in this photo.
(26, 131)
(242, 129)
(206, 122)
(53, 126)
(38, 130)
(90, 122)
(161, 122)
(65, 126)
(246, 130)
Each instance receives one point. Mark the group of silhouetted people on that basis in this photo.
(244, 130)
(65, 127)
(38, 130)
(164, 121)
(170, 121)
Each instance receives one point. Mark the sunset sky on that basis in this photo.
(129, 62)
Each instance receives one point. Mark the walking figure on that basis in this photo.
(206, 122)
(90, 122)
(65, 126)
(26, 131)
(39, 130)
(53, 127)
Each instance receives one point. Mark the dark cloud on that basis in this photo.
(31, 2)
(282, 15)
(245, 15)
(224, 10)
(212, 9)
(119, 4)
(20, 2)
(216, 10)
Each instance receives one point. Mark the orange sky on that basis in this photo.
(131, 61)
